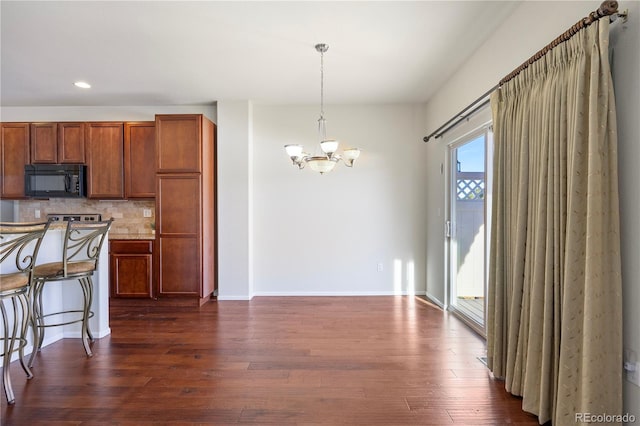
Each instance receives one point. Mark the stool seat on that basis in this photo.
(13, 281)
(53, 270)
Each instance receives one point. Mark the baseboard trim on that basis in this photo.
(435, 301)
(335, 294)
(244, 298)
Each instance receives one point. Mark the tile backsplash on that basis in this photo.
(128, 215)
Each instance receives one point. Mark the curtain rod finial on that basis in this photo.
(608, 7)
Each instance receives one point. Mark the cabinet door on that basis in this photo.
(105, 168)
(178, 206)
(131, 268)
(140, 160)
(14, 144)
(179, 266)
(71, 141)
(179, 143)
(178, 217)
(44, 143)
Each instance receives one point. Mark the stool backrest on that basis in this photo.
(83, 242)
(19, 246)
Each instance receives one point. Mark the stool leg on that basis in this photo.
(37, 321)
(32, 322)
(89, 282)
(7, 350)
(26, 319)
(85, 284)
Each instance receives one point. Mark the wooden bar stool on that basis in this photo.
(19, 245)
(80, 253)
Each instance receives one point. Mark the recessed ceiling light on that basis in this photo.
(82, 84)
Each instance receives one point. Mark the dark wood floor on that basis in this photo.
(318, 360)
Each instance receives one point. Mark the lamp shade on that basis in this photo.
(293, 151)
(329, 146)
(321, 164)
(351, 154)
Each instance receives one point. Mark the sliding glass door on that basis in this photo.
(466, 226)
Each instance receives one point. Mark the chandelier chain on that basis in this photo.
(321, 84)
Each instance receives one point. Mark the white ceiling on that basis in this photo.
(176, 53)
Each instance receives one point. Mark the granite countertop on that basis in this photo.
(114, 234)
(131, 236)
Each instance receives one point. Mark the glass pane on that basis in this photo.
(468, 245)
(48, 183)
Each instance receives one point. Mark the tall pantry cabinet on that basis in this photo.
(185, 206)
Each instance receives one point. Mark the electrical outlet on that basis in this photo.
(37, 214)
(631, 367)
(146, 212)
(380, 267)
(633, 372)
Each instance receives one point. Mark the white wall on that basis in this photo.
(516, 40)
(325, 234)
(435, 185)
(235, 200)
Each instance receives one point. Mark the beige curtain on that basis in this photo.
(554, 320)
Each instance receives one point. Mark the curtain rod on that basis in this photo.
(462, 115)
(607, 8)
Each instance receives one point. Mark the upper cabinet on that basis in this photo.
(120, 157)
(71, 143)
(14, 148)
(105, 163)
(140, 159)
(44, 143)
(58, 143)
(179, 143)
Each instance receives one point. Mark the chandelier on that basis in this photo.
(326, 161)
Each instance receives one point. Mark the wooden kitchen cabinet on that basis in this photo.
(179, 143)
(140, 159)
(131, 268)
(105, 160)
(178, 225)
(71, 143)
(14, 155)
(44, 143)
(57, 143)
(185, 207)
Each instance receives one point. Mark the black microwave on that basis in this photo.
(55, 180)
